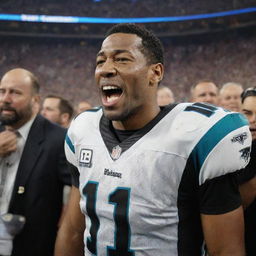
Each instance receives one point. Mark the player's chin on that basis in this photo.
(111, 113)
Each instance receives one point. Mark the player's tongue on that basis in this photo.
(111, 94)
(112, 98)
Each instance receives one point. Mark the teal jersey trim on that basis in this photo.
(215, 134)
(70, 144)
(94, 109)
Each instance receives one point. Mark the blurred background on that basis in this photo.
(213, 40)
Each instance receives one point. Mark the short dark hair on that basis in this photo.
(152, 47)
(64, 105)
(248, 92)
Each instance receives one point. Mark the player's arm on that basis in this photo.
(222, 216)
(224, 233)
(247, 179)
(70, 235)
(224, 149)
(248, 191)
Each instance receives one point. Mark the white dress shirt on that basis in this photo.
(12, 163)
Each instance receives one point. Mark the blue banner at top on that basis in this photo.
(74, 19)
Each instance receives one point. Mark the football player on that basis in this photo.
(150, 180)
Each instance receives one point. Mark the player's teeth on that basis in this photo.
(109, 87)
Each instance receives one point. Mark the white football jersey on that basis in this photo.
(139, 197)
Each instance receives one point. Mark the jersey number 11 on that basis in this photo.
(120, 199)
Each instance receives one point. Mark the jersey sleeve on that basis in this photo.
(220, 153)
(249, 171)
(75, 175)
(219, 195)
(224, 148)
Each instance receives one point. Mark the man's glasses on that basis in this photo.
(248, 92)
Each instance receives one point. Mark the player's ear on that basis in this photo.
(156, 74)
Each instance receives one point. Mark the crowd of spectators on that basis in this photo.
(117, 8)
(66, 67)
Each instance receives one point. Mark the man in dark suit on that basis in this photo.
(32, 148)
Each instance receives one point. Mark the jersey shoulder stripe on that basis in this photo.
(214, 135)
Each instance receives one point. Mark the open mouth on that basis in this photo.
(111, 93)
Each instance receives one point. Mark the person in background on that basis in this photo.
(205, 91)
(150, 180)
(164, 96)
(58, 110)
(247, 176)
(33, 165)
(83, 106)
(230, 96)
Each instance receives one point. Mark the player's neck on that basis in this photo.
(137, 121)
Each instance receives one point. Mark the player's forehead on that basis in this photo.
(121, 42)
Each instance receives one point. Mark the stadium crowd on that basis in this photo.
(198, 68)
(66, 66)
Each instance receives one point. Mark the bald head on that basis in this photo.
(26, 76)
(18, 97)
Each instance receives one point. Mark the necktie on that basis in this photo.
(7, 162)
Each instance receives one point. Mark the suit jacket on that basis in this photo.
(38, 188)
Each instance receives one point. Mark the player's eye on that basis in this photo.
(122, 59)
(99, 62)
